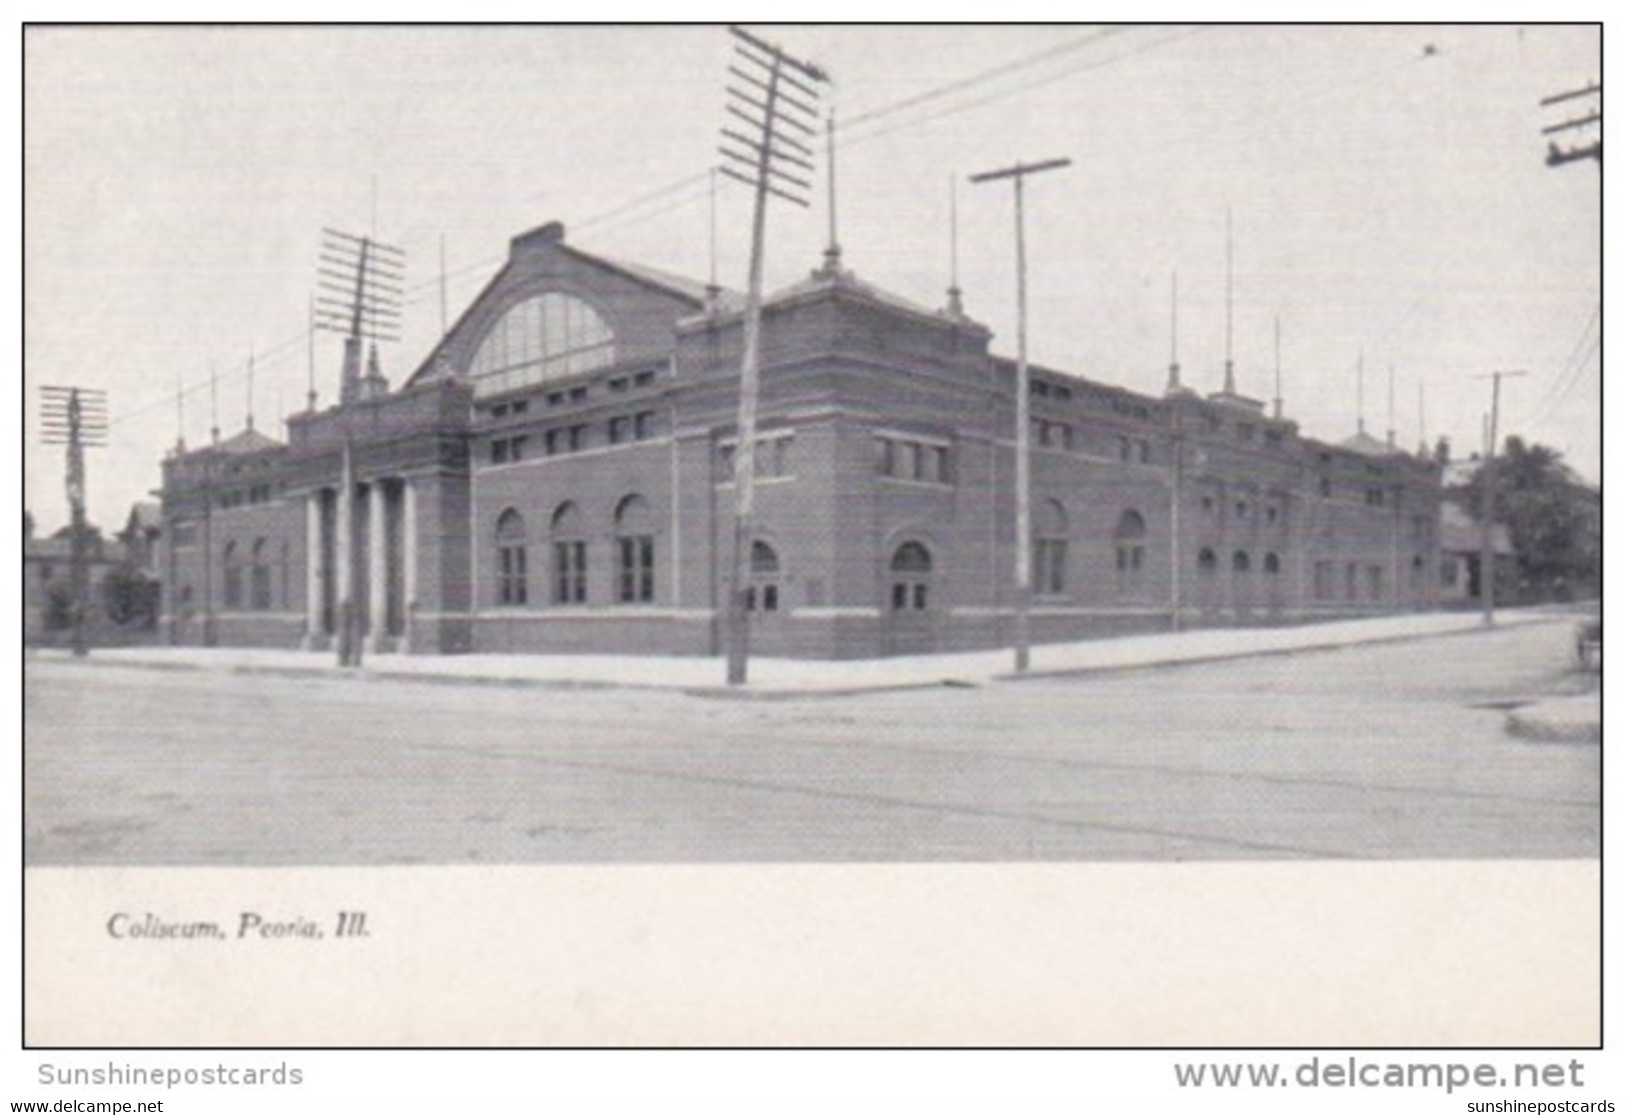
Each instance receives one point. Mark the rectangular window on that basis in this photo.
(569, 572)
(1049, 566)
(643, 379)
(553, 442)
(578, 438)
(1374, 582)
(1145, 451)
(1325, 583)
(500, 410)
(511, 588)
(619, 383)
(499, 451)
(577, 394)
(555, 398)
(886, 456)
(637, 569)
(643, 425)
(620, 428)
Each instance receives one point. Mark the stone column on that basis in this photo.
(313, 569)
(377, 568)
(409, 562)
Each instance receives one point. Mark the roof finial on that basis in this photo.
(1391, 404)
(832, 253)
(1229, 305)
(1277, 366)
(1174, 386)
(956, 301)
(251, 387)
(1359, 392)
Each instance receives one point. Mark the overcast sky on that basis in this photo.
(1388, 189)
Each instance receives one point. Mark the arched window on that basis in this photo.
(260, 576)
(762, 594)
(542, 338)
(911, 573)
(1207, 562)
(1240, 562)
(512, 588)
(635, 551)
(1049, 549)
(1128, 538)
(231, 567)
(1272, 563)
(569, 555)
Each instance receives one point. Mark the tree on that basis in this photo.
(1553, 517)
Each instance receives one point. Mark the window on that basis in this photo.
(232, 569)
(1240, 562)
(619, 383)
(555, 398)
(1241, 509)
(762, 594)
(1449, 571)
(569, 556)
(635, 547)
(911, 573)
(1272, 563)
(905, 459)
(643, 378)
(542, 338)
(578, 394)
(1128, 539)
(620, 429)
(1375, 497)
(643, 425)
(505, 450)
(1207, 562)
(1125, 449)
(577, 438)
(1271, 514)
(259, 591)
(565, 439)
(1049, 549)
(510, 540)
(1325, 580)
(1375, 588)
(1325, 487)
(1145, 451)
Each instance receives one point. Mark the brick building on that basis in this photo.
(556, 477)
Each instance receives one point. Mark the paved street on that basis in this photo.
(1383, 751)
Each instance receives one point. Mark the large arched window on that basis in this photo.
(232, 568)
(1128, 539)
(259, 572)
(1049, 549)
(635, 551)
(569, 555)
(541, 338)
(1240, 562)
(910, 577)
(762, 594)
(512, 587)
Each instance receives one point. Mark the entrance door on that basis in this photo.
(909, 607)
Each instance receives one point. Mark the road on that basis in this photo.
(1375, 752)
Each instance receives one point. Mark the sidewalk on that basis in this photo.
(779, 677)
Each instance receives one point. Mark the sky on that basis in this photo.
(1387, 189)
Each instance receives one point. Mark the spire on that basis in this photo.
(1421, 419)
(1229, 305)
(444, 326)
(1391, 433)
(181, 415)
(1277, 366)
(713, 292)
(832, 253)
(1359, 393)
(956, 301)
(310, 356)
(250, 408)
(1174, 386)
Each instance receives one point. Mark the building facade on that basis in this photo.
(557, 476)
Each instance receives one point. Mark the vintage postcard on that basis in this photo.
(812, 535)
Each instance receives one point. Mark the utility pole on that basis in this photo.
(1486, 497)
(1024, 573)
(777, 96)
(77, 418)
(1556, 155)
(362, 281)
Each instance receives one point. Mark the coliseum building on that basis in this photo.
(557, 477)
